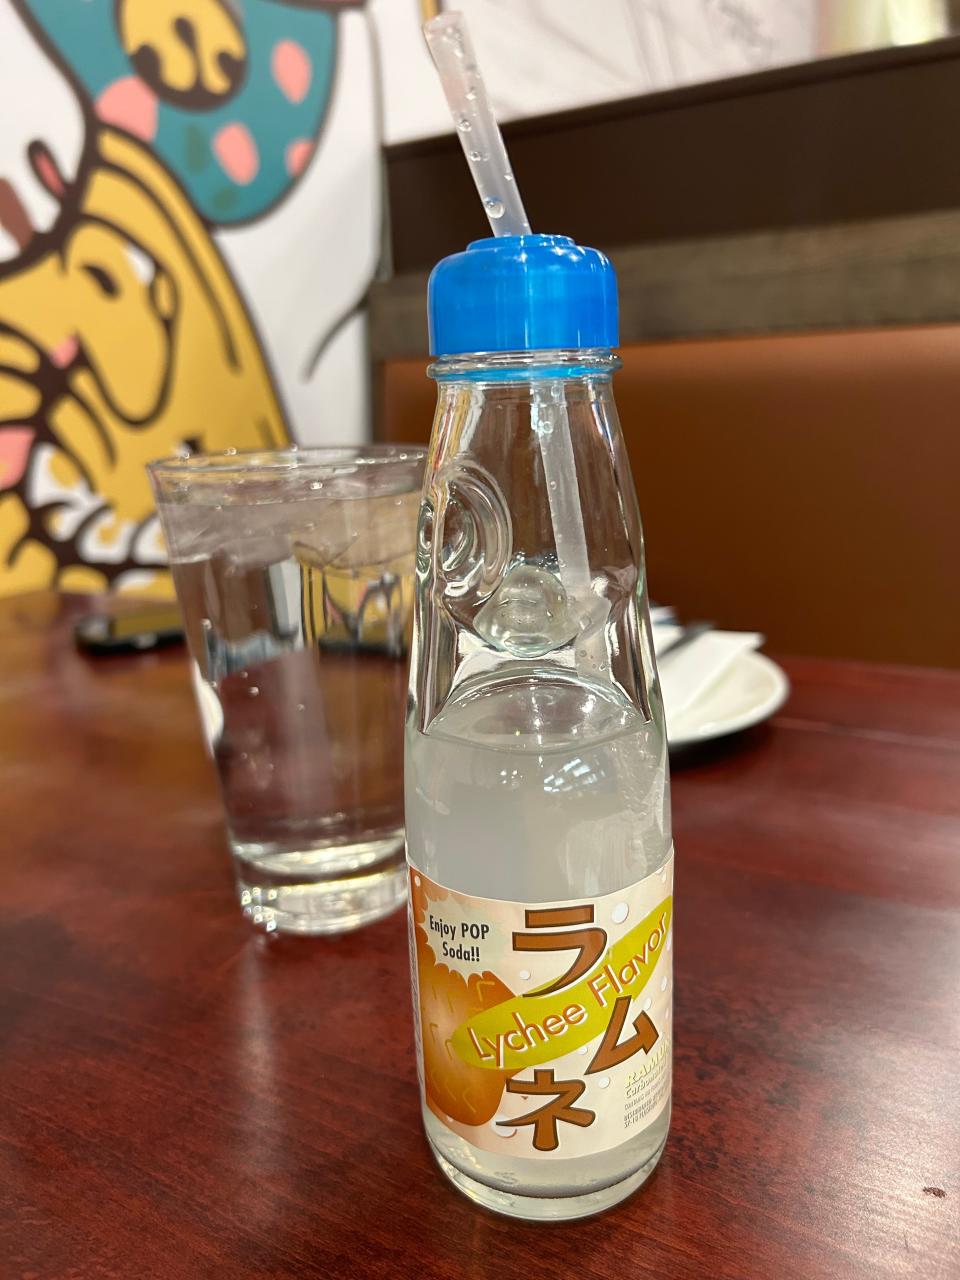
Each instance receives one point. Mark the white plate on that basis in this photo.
(751, 690)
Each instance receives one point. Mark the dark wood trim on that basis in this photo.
(839, 140)
(885, 271)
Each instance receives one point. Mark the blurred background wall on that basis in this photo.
(792, 234)
(193, 210)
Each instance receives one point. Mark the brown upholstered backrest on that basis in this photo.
(806, 486)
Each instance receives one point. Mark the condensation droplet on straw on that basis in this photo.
(471, 95)
(494, 206)
(476, 156)
(464, 125)
(508, 177)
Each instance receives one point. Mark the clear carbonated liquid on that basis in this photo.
(298, 621)
(539, 789)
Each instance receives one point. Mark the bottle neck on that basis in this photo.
(597, 364)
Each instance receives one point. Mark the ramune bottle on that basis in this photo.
(537, 793)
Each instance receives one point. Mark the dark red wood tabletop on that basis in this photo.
(180, 1097)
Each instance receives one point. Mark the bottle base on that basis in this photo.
(537, 1208)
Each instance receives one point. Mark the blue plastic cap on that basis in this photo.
(522, 293)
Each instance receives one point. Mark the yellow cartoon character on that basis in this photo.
(193, 55)
(121, 342)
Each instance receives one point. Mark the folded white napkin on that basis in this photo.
(690, 671)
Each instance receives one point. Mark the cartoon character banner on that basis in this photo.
(189, 220)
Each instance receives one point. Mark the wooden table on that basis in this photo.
(180, 1097)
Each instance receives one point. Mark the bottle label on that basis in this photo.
(544, 1029)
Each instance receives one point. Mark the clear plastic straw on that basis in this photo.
(452, 51)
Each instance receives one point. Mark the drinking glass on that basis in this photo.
(294, 572)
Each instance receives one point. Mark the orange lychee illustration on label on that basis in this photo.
(453, 1088)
